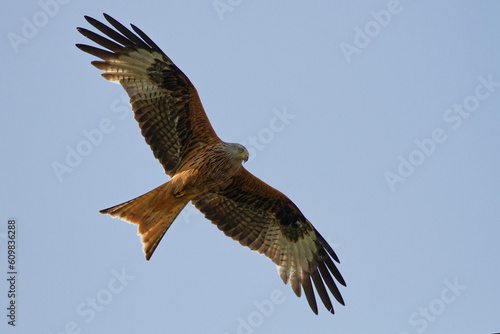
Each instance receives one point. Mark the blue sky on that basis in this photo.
(379, 119)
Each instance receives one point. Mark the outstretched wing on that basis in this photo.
(262, 218)
(164, 101)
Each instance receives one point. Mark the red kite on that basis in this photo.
(203, 169)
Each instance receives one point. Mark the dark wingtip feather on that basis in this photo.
(102, 41)
(88, 18)
(308, 291)
(103, 54)
(330, 283)
(146, 38)
(320, 287)
(91, 20)
(334, 270)
(108, 31)
(126, 32)
(326, 246)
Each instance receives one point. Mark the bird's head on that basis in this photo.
(238, 152)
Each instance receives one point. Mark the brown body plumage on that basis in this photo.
(204, 169)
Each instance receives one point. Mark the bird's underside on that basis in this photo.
(205, 170)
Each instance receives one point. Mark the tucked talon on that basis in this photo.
(179, 193)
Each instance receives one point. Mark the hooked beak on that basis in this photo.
(244, 156)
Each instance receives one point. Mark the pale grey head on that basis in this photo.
(237, 152)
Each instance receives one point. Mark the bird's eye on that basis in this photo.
(240, 150)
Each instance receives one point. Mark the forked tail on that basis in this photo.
(153, 212)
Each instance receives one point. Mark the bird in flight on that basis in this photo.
(205, 170)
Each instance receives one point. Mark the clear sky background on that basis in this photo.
(379, 119)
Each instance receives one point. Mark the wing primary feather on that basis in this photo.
(285, 265)
(288, 265)
(102, 41)
(100, 53)
(308, 291)
(283, 274)
(296, 267)
(320, 287)
(334, 270)
(330, 283)
(295, 283)
(146, 39)
(126, 32)
(325, 245)
(108, 31)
